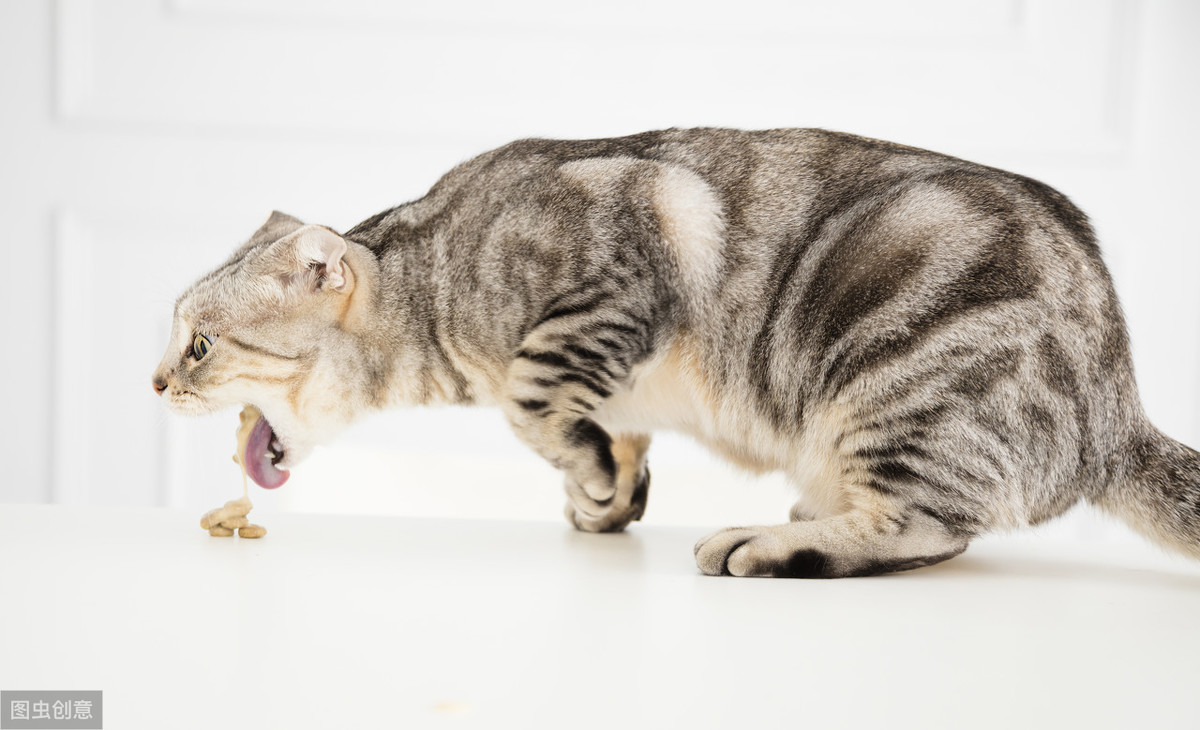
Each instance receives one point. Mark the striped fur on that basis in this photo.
(931, 349)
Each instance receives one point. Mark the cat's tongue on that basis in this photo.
(258, 462)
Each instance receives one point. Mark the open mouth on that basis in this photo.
(264, 451)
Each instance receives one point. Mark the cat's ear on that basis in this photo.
(312, 249)
(276, 227)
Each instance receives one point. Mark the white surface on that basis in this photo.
(140, 140)
(391, 622)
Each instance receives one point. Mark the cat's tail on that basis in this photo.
(1159, 492)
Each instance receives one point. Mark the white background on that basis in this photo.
(140, 140)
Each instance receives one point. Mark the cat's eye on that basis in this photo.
(200, 346)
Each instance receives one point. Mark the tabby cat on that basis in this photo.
(928, 348)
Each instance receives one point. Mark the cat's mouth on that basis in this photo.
(264, 452)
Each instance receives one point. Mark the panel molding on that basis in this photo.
(75, 83)
(71, 449)
(699, 20)
(1123, 62)
(521, 94)
(78, 315)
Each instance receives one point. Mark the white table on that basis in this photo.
(364, 622)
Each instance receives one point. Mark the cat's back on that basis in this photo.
(765, 183)
(777, 185)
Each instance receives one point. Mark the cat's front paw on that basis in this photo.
(613, 515)
(590, 523)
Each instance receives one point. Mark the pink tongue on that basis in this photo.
(258, 463)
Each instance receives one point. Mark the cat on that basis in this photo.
(928, 348)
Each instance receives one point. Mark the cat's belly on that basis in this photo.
(671, 392)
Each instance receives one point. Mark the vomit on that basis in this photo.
(224, 520)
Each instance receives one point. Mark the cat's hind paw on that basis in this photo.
(774, 551)
(853, 544)
(736, 551)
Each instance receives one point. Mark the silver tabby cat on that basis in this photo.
(930, 349)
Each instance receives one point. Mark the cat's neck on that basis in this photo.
(393, 317)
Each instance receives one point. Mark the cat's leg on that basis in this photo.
(876, 535)
(558, 379)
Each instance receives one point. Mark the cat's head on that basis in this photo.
(269, 328)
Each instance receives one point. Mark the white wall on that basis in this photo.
(140, 140)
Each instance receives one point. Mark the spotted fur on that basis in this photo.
(929, 348)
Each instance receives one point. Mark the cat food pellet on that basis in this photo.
(252, 531)
(235, 523)
(232, 509)
(219, 531)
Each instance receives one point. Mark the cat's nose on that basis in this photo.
(159, 384)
